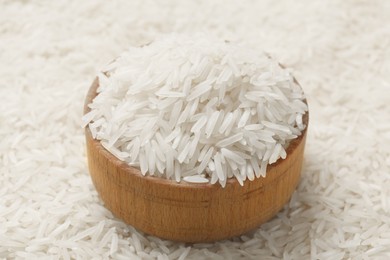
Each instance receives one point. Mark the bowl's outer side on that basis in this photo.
(191, 212)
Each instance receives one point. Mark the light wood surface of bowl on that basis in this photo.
(191, 212)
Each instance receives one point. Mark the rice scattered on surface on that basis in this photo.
(180, 95)
(339, 52)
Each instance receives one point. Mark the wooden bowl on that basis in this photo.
(191, 212)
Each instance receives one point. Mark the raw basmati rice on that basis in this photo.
(159, 105)
(339, 50)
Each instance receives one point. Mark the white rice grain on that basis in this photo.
(188, 95)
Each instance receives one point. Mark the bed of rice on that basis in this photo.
(196, 108)
(339, 51)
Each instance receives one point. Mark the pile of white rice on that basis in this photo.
(50, 51)
(197, 108)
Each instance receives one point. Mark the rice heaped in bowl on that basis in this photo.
(197, 108)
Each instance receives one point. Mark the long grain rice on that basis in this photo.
(229, 105)
(205, 97)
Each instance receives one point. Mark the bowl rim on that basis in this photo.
(136, 173)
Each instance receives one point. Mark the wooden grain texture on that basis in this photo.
(191, 212)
